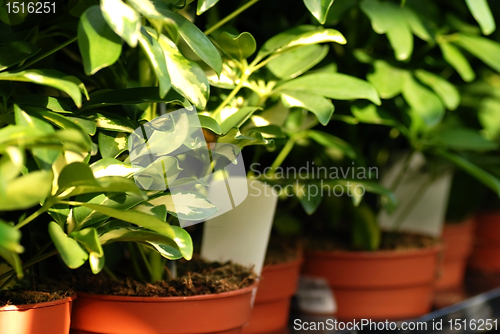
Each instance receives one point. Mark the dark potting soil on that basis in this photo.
(389, 242)
(195, 277)
(43, 293)
(282, 251)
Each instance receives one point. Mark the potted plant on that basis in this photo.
(357, 280)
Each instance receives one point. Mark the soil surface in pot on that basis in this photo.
(282, 251)
(389, 242)
(43, 293)
(195, 277)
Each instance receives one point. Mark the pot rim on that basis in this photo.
(380, 254)
(132, 299)
(283, 265)
(24, 307)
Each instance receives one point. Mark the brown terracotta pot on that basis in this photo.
(42, 318)
(377, 285)
(223, 313)
(486, 254)
(457, 242)
(277, 285)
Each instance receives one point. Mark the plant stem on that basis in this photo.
(30, 263)
(413, 203)
(48, 53)
(110, 273)
(284, 153)
(37, 213)
(230, 17)
(243, 79)
(133, 254)
(146, 262)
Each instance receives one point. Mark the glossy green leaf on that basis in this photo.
(317, 104)
(71, 252)
(371, 114)
(188, 79)
(204, 5)
(329, 140)
(388, 80)
(446, 91)
(457, 60)
(483, 48)
(60, 213)
(234, 117)
(208, 122)
(334, 86)
(112, 144)
(15, 52)
(10, 238)
(13, 260)
(42, 101)
(124, 21)
(133, 96)
(50, 78)
(235, 137)
(309, 196)
(459, 138)
(240, 46)
(137, 218)
(89, 239)
(99, 45)
(156, 57)
(423, 102)
(489, 117)
(26, 191)
(482, 13)
(319, 8)
(417, 25)
(388, 18)
(188, 205)
(480, 174)
(295, 62)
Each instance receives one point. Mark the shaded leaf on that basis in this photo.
(446, 91)
(240, 46)
(481, 47)
(319, 8)
(317, 104)
(295, 62)
(204, 5)
(15, 52)
(69, 249)
(388, 80)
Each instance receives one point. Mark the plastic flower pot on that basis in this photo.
(42, 318)
(277, 285)
(377, 285)
(458, 240)
(486, 254)
(223, 313)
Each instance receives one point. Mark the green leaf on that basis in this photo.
(187, 76)
(481, 47)
(319, 8)
(13, 260)
(234, 117)
(489, 117)
(329, 140)
(208, 122)
(320, 106)
(99, 46)
(465, 139)
(50, 78)
(388, 80)
(112, 122)
(112, 144)
(240, 46)
(333, 85)
(26, 191)
(137, 218)
(133, 96)
(417, 26)
(15, 52)
(480, 174)
(371, 114)
(188, 205)
(423, 102)
(457, 60)
(388, 18)
(44, 102)
(204, 5)
(295, 62)
(10, 238)
(89, 239)
(482, 13)
(235, 137)
(446, 91)
(124, 21)
(70, 250)
(156, 56)
(366, 232)
(309, 196)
